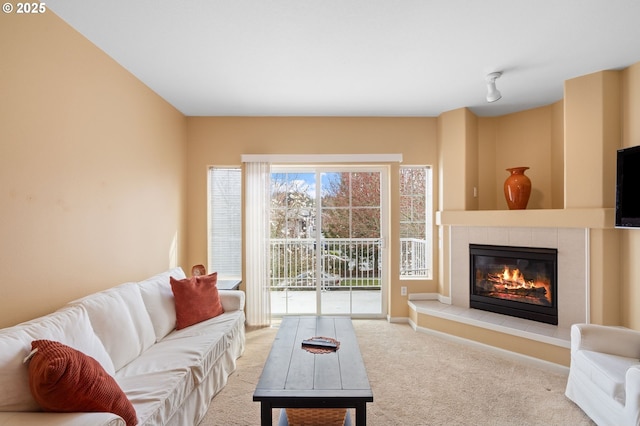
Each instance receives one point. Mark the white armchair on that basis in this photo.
(604, 377)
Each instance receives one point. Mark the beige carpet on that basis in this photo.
(420, 379)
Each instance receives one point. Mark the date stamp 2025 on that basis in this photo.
(24, 8)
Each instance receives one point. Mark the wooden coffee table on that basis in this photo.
(293, 377)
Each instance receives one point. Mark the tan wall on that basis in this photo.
(593, 132)
(222, 141)
(557, 155)
(452, 148)
(92, 168)
(471, 161)
(604, 277)
(630, 238)
(592, 135)
(490, 188)
(459, 174)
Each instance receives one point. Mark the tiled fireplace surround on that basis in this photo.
(573, 255)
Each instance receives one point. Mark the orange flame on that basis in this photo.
(514, 279)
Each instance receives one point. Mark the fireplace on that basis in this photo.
(516, 281)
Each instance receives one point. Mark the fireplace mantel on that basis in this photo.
(599, 218)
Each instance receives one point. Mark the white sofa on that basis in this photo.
(170, 376)
(604, 376)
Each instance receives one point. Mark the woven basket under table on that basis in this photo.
(316, 416)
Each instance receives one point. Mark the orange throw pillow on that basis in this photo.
(196, 299)
(63, 379)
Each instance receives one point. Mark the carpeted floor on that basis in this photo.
(420, 379)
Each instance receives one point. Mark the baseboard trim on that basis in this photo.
(399, 320)
(413, 297)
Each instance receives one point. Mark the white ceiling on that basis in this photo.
(357, 57)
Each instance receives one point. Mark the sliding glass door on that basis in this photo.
(327, 241)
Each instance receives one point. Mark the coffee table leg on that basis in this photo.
(265, 414)
(361, 414)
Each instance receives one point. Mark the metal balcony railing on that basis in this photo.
(343, 263)
(414, 258)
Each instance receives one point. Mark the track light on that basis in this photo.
(493, 94)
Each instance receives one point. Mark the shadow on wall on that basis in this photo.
(536, 200)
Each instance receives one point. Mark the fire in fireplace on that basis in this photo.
(516, 281)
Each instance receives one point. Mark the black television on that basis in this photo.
(628, 188)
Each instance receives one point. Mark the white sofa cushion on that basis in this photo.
(158, 298)
(605, 370)
(196, 348)
(201, 351)
(121, 321)
(70, 326)
(157, 395)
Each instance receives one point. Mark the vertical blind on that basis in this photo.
(225, 222)
(258, 207)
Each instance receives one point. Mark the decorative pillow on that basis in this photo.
(69, 325)
(63, 379)
(196, 299)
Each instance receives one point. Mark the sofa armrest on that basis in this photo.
(610, 340)
(24, 418)
(632, 395)
(232, 300)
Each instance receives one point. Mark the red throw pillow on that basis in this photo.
(63, 379)
(196, 299)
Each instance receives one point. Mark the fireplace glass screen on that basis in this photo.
(516, 281)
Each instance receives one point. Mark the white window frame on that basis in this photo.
(428, 225)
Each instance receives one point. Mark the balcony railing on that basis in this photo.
(414, 258)
(343, 263)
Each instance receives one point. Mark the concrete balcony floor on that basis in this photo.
(362, 303)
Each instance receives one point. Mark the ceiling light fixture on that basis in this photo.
(493, 94)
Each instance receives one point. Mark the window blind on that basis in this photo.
(225, 222)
